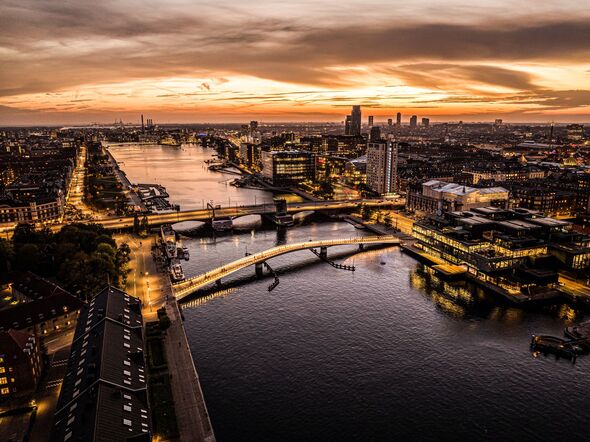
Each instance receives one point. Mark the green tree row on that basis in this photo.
(82, 258)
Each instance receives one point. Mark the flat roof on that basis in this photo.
(475, 220)
(550, 222)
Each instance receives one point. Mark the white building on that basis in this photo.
(382, 158)
(440, 196)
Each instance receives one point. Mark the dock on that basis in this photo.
(575, 343)
(557, 346)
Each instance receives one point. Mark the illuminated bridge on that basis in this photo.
(188, 286)
(156, 219)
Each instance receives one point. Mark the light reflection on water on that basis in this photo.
(388, 352)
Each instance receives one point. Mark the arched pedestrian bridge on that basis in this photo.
(188, 286)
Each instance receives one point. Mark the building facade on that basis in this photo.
(21, 363)
(382, 160)
(288, 168)
(436, 196)
(104, 392)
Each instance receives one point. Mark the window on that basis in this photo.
(3, 381)
(126, 372)
(5, 391)
(126, 407)
(124, 362)
(127, 422)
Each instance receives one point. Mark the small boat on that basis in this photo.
(176, 272)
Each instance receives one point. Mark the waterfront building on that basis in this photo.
(250, 154)
(382, 159)
(426, 122)
(398, 119)
(288, 168)
(516, 249)
(413, 121)
(436, 196)
(389, 122)
(21, 363)
(104, 391)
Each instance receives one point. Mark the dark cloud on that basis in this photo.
(46, 46)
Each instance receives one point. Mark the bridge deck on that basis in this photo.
(190, 285)
(155, 219)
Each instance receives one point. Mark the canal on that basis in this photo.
(388, 352)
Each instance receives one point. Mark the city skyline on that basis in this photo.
(186, 62)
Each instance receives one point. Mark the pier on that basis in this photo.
(323, 255)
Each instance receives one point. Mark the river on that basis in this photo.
(387, 352)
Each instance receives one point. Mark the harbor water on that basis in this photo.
(387, 352)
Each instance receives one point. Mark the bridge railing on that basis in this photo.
(215, 274)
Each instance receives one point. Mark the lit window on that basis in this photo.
(5, 391)
(126, 408)
(3, 381)
(127, 422)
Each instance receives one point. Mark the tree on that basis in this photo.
(28, 258)
(6, 255)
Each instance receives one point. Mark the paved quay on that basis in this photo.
(148, 281)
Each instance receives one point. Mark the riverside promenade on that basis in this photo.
(151, 284)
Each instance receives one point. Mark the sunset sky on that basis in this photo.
(78, 61)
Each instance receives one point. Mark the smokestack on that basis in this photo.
(142, 127)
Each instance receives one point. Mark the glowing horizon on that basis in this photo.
(190, 61)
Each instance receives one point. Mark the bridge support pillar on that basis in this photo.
(361, 246)
(259, 269)
(323, 252)
(218, 283)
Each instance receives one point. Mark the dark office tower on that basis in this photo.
(399, 119)
(375, 134)
(142, 126)
(253, 125)
(371, 120)
(390, 122)
(413, 121)
(348, 125)
(426, 122)
(355, 120)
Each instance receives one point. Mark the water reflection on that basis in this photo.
(464, 299)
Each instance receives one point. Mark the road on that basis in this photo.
(189, 286)
(144, 280)
(148, 282)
